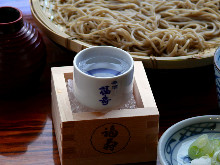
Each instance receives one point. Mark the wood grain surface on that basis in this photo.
(26, 130)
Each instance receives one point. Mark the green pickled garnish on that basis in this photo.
(216, 158)
(201, 147)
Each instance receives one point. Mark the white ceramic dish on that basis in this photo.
(174, 143)
(217, 72)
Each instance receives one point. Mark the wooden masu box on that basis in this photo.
(115, 137)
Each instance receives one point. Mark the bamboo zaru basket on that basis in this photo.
(42, 11)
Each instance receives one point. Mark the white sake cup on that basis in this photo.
(98, 92)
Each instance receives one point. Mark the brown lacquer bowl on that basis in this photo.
(22, 53)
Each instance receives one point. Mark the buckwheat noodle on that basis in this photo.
(143, 27)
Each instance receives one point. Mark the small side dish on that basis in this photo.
(190, 141)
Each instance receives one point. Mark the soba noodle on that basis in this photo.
(143, 27)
